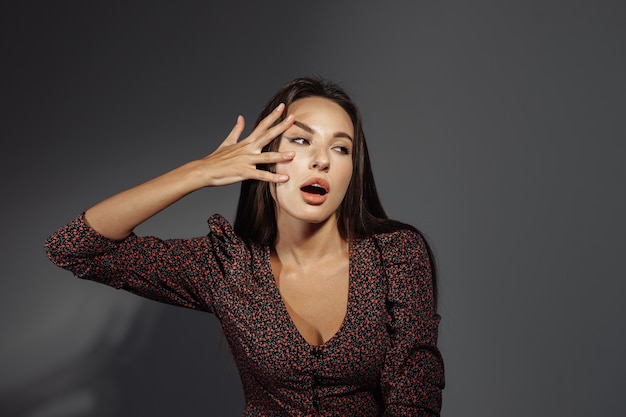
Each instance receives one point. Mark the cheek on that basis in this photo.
(291, 168)
(282, 168)
(347, 174)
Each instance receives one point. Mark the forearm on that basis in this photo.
(233, 161)
(117, 216)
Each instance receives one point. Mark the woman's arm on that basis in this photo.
(413, 377)
(184, 272)
(233, 161)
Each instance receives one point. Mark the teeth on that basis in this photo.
(315, 188)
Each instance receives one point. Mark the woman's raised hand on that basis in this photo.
(232, 161)
(236, 160)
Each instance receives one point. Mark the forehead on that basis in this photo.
(320, 112)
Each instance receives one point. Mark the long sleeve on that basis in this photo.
(183, 272)
(413, 376)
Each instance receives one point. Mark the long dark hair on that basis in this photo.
(359, 215)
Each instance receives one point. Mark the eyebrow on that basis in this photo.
(309, 129)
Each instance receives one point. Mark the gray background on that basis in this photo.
(496, 127)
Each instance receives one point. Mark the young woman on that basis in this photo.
(329, 308)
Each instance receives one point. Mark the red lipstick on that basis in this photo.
(315, 191)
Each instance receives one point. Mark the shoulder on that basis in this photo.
(400, 246)
(219, 226)
(409, 268)
(222, 235)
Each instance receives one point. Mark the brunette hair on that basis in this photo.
(359, 215)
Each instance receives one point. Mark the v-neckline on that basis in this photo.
(286, 316)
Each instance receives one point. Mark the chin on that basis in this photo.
(311, 216)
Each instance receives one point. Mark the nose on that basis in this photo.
(320, 161)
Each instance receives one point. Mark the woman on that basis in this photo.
(329, 308)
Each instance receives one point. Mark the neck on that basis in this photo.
(305, 243)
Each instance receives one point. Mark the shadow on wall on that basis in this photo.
(61, 370)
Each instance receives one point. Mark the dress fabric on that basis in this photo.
(383, 361)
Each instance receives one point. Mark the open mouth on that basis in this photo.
(314, 189)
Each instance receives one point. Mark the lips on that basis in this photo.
(315, 190)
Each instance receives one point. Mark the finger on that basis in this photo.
(262, 136)
(273, 157)
(235, 133)
(279, 129)
(273, 116)
(269, 120)
(267, 176)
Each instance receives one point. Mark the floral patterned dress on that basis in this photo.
(383, 361)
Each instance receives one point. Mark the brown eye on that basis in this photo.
(299, 141)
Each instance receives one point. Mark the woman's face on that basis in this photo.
(320, 172)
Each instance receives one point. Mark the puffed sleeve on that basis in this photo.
(413, 376)
(183, 272)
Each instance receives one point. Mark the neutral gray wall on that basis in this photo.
(496, 127)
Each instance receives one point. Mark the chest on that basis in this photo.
(316, 298)
(265, 338)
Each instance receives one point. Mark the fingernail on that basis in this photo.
(289, 154)
(283, 177)
(289, 118)
(280, 107)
